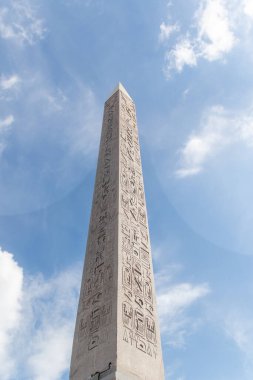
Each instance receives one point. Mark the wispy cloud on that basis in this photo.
(215, 30)
(6, 122)
(240, 330)
(59, 126)
(42, 314)
(9, 87)
(51, 306)
(11, 282)
(248, 8)
(4, 127)
(238, 327)
(20, 22)
(174, 303)
(219, 128)
(211, 36)
(182, 54)
(166, 30)
(7, 83)
(234, 322)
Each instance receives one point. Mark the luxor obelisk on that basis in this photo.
(117, 333)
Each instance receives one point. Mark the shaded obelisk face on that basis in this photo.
(117, 333)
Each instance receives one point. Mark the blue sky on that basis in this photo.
(188, 66)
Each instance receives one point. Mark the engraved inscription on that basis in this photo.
(93, 342)
(95, 306)
(137, 307)
(117, 299)
(127, 314)
(150, 330)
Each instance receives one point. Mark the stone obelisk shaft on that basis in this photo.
(117, 331)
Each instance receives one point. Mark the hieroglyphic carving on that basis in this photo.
(150, 330)
(139, 342)
(127, 276)
(127, 311)
(137, 278)
(95, 310)
(138, 305)
(93, 342)
(117, 312)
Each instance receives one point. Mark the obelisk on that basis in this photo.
(117, 333)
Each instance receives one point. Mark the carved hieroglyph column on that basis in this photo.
(117, 333)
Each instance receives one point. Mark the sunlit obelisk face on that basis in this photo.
(117, 330)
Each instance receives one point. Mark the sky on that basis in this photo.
(188, 66)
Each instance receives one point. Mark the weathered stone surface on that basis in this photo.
(117, 331)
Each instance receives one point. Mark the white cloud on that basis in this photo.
(7, 121)
(51, 305)
(11, 281)
(219, 128)
(241, 331)
(239, 328)
(39, 319)
(19, 21)
(166, 30)
(182, 54)
(187, 172)
(215, 34)
(58, 125)
(7, 83)
(186, 92)
(47, 344)
(210, 37)
(248, 8)
(179, 297)
(43, 314)
(168, 274)
(4, 124)
(174, 303)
